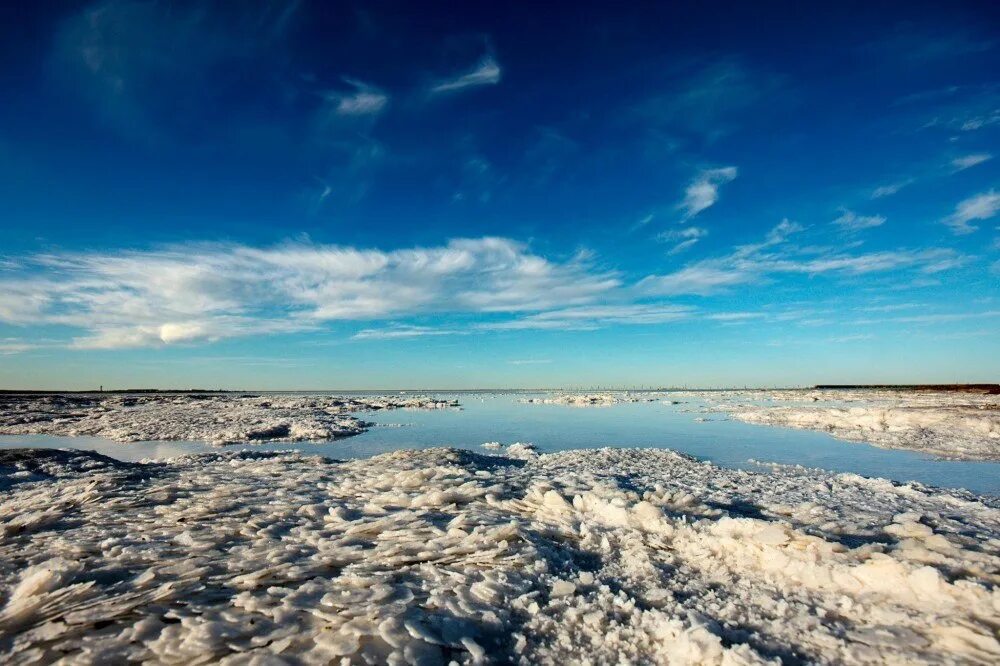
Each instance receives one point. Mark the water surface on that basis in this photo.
(506, 419)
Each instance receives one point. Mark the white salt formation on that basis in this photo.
(217, 418)
(590, 399)
(947, 424)
(426, 557)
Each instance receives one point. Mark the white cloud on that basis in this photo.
(979, 122)
(682, 238)
(701, 279)
(968, 161)
(756, 263)
(363, 100)
(781, 231)
(486, 72)
(851, 221)
(402, 331)
(642, 222)
(590, 317)
(735, 316)
(194, 293)
(890, 188)
(890, 307)
(179, 331)
(856, 337)
(980, 207)
(209, 292)
(946, 317)
(703, 191)
(530, 361)
(9, 346)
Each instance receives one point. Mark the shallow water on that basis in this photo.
(506, 419)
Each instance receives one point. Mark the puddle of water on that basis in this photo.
(504, 418)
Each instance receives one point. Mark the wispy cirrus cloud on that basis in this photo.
(980, 207)
(759, 262)
(362, 100)
(929, 171)
(890, 188)
(933, 318)
(705, 101)
(590, 317)
(890, 307)
(731, 317)
(969, 161)
(683, 239)
(963, 109)
(701, 279)
(10, 346)
(580, 318)
(487, 72)
(703, 191)
(851, 221)
(402, 332)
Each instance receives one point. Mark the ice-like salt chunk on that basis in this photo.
(562, 588)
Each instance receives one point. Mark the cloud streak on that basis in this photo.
(487, 72)
(590, 317)
(890, 189)
(760, 262)
(210, 292)
(980, 207)
(703, 191)
(683, 239)
(363, 100)
(851, 221)
(969, 161)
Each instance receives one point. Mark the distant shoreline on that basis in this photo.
(991, 389)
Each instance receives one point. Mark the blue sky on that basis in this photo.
(375, 195)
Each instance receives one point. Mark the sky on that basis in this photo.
(337, 195)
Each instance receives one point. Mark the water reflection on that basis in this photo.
(659, 424)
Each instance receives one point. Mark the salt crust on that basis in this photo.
(951, 425)
(591, 399)
(219, 419)
(598, 556)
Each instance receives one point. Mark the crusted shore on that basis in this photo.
(217, 418)
(947, 424)
(600, 556)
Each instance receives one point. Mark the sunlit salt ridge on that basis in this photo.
(441, 555)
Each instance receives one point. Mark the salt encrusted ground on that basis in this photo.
(217, 418)
(953, 425)
(591, 399)
(601, 556)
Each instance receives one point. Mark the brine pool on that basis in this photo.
(506, 418)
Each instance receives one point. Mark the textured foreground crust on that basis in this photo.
(599, 556)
